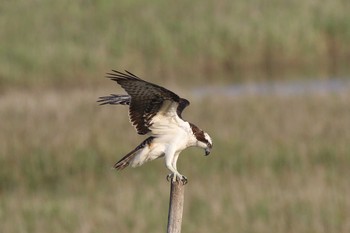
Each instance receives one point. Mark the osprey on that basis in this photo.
(156, 112)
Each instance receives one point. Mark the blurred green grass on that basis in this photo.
(72, 42)
(278, 163)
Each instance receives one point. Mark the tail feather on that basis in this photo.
(115, 99)
(126, 160)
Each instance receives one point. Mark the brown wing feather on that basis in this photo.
(146, 99)
(114, 99)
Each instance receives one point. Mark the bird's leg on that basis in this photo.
(175, 175)
(176, 156)
(174, 163)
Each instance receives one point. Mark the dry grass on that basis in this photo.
(69, 42)
(279, 163)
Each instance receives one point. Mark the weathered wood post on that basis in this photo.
(176, 203)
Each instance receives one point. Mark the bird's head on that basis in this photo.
(208, 143)
(203, 139)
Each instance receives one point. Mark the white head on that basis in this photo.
(203, 139)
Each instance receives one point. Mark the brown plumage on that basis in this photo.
(156, 111)
(145, 99)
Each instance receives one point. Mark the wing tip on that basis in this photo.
(116, 75)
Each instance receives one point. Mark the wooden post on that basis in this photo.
(176, 205)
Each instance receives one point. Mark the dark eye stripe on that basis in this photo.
(199, 134)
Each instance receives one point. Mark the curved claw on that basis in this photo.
(177, 178)
(184, 180)
(169, 177)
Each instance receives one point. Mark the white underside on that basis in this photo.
(172, 135)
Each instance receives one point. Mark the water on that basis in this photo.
(285, 88)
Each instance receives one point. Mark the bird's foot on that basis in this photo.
(177, 177)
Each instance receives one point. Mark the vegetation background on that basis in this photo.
(280, 160)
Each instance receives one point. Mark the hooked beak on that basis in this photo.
(207, 151)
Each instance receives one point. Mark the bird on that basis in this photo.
(156, 112)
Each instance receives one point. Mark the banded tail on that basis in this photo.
(127, 159)
(115, 99)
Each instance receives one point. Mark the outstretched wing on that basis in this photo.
(146, 99)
